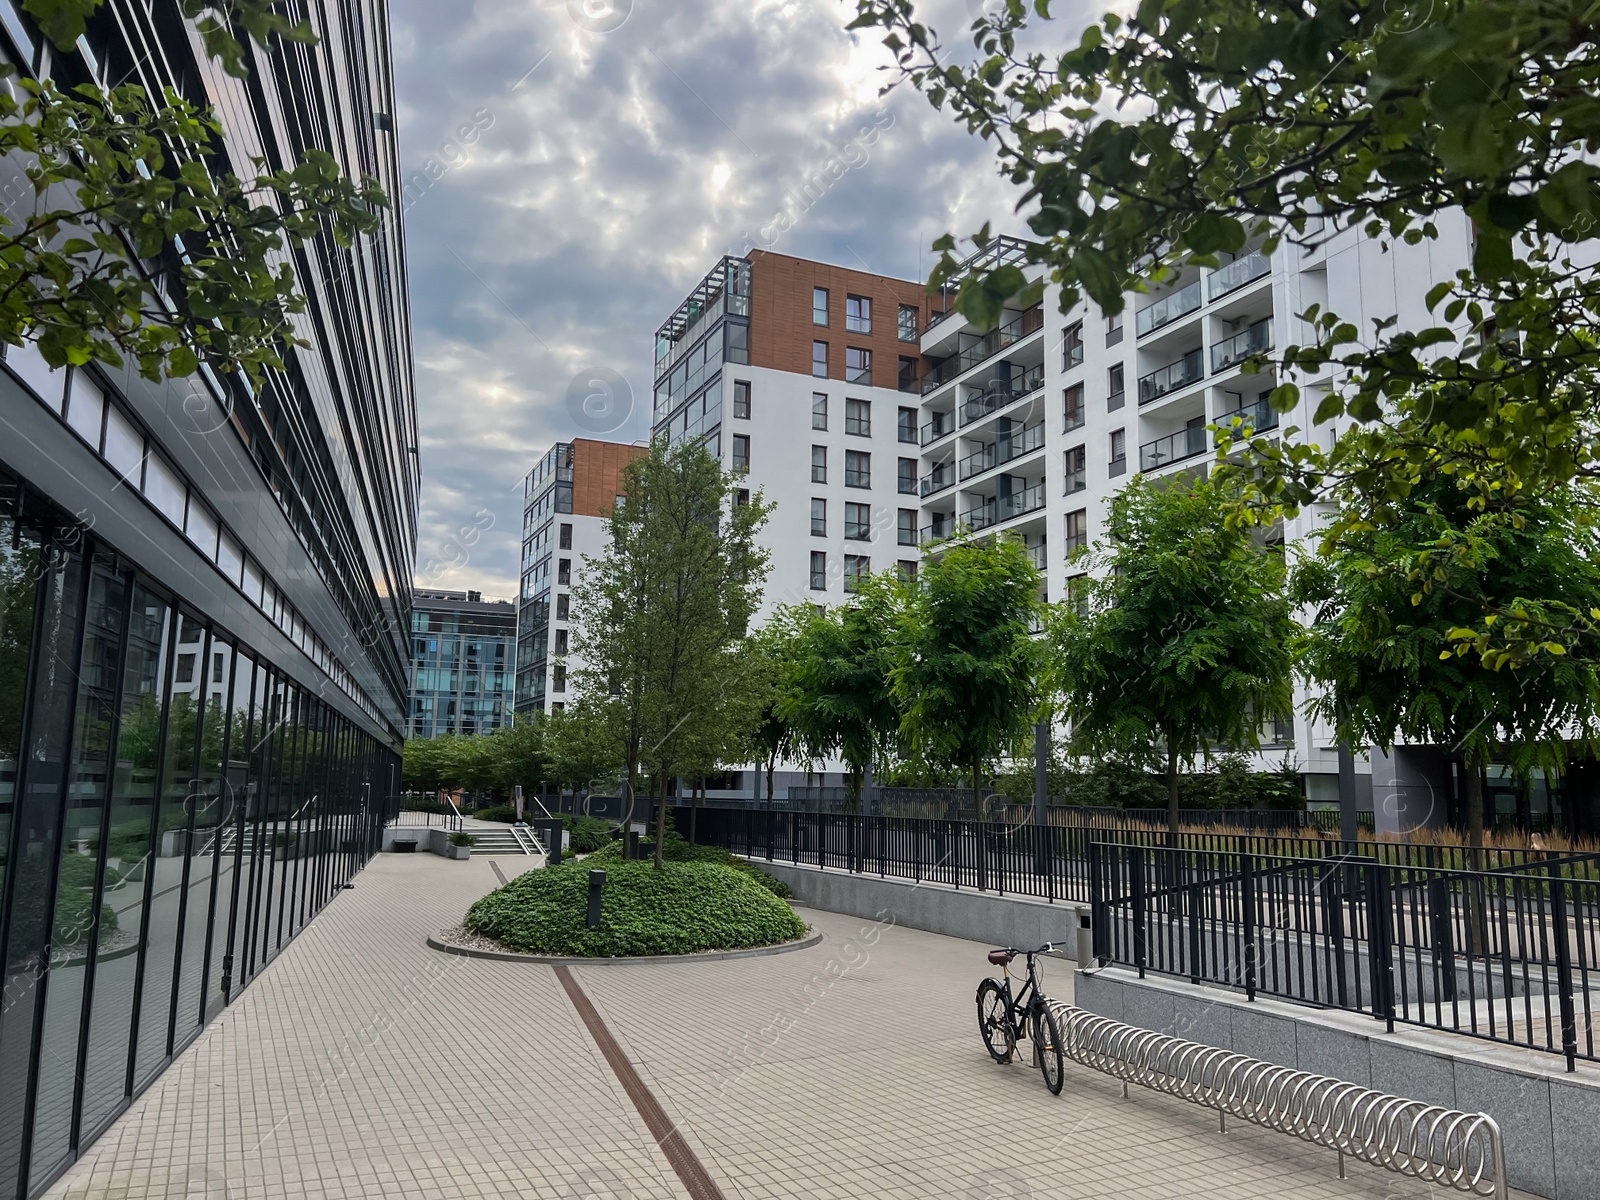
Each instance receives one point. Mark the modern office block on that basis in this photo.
(463, 650)
(204, 593)
(566, 500)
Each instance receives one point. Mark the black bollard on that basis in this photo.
(597, 883)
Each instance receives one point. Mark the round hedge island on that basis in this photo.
(685, 906)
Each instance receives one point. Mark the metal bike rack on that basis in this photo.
(1424, 1141)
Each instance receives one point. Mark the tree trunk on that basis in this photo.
(694, 806)
(1472, 777)
(977, 799)
(661, 828)
(1172, 785)
(772, 762)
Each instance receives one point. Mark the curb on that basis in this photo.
(804, 943)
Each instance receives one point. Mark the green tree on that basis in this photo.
(839, 699)
(770, 650)
(1388, 651)
(964, 675)
(1189, 130)
(660, 613)
(140, 244)
(1184, 639)
(582, 746)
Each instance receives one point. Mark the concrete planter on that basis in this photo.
(459, 851)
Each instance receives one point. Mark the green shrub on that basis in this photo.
(462, 839)
(588, 833)
(678, 909)
(498, 812)
(680, 849)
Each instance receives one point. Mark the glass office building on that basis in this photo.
(462, 651)
(204, 600)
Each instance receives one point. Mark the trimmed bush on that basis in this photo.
(499, 812)
(680, 849)
(679, 909)
(588, 833)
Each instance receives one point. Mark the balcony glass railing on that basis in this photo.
(1009, 334)
(993, 512)
(1003, 450)
(1038, 557)
(936, 480)
(1191, 368)
(1259, 416)
(938, 529)
(977, 462)
(1257, 339)
(942, 425)
(1186, 443)
(1168, 309)
(1238, 273)
(999, 395)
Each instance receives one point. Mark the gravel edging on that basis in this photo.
(482, 950)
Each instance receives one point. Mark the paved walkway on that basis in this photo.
(362, 1064)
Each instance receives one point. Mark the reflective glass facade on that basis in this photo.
(205, 603)
(462, 654)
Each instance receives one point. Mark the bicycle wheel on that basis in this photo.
(994, 1021)
(1047, 1045)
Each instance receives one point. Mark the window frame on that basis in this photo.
(863, 478)
(852, 409)
(741, 399)
(819, 462)
(816, 345)
(820, 293)
(862, 373)
(859, 321)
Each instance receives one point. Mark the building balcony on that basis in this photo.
(937, 530)
(1247, 343)
(939, 478)
(1237, 273)
(942, 425)
(986, 347)
(1003, 450)
(1191, 368)
(1038, 556)
(1164, 451)
(1168, 309)
(1000, 509)
(1259, 416)
(998, 397)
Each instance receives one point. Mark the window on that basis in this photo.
(908, 374)
(564, 572)
(186, 668)
(1119, 451)
(906, 425)
(858, 417)
(858, 314)
(1072, 407)
(907, 568)
(566, 536)
(741, 399)
(908, 322)
(819, 571)
(216, 666)
(819, 306)
(1072, 346)
(1078, 593)
(561, 641)
(741, 497)
(1077, 530)
(1113, 329)
(819, 464)
(906, 527)
(906, 478)
(857, 469)
(1077, 469)
(563, 606)
(1114, 387)
(819, 410)
(819, 359)
(741, 453)
(857, 365)
(558, 677)
(856, 568)
(857, 522)
(819, 517)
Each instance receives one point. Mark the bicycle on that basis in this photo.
(1005, 1019)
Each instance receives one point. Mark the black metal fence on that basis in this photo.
(1507, 953)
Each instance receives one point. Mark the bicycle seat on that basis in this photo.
(1002, 958)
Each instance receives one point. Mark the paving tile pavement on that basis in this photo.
(363, 1064)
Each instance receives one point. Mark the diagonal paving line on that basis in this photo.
(689, 1169)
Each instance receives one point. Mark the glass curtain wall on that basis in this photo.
(172, 812)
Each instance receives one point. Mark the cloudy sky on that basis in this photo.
(578, 165)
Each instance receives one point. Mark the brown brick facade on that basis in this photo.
(781, 328)
(597, 474)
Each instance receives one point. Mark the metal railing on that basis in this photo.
(942, 425)
(1253, 340)
(1259, 416)
(1458, 1150)
(1168, 309)
(1191, 368)
(937, 530)
(1026, 323)
(1238, 273)
(943, 475)
(1000, 452)
(995, 396)
(1505, 952)
(1028, 500)
(1186, 443)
